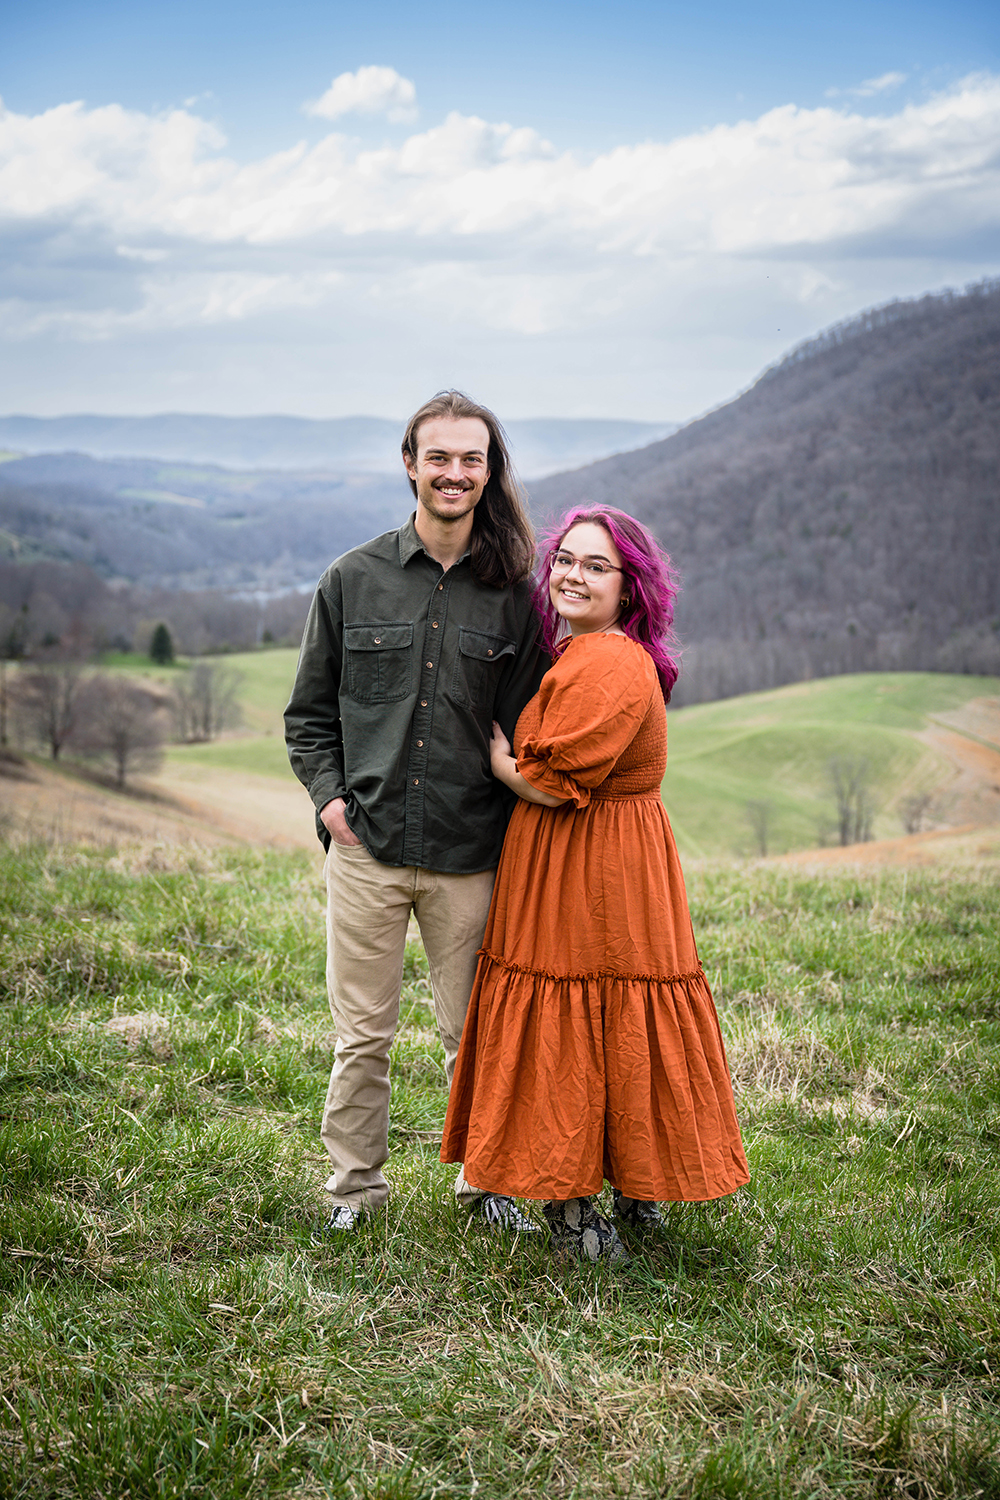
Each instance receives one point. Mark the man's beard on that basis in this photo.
(431, 502)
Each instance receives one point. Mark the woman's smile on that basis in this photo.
(586, 580)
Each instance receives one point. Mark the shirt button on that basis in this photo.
(420, 744)
(428, 664)
(489, 653)
(423, 703)
(378, 640)
(416, 781)
(440, 587)
(434, 626)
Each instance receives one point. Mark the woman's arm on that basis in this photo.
(504, 768)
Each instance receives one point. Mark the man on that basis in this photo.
(415, 642)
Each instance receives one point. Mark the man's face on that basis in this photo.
(450, 470)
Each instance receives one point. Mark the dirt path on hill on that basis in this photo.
(970, 845)
(258, 809)
(182, 807)
(36, 802)
(969, 739)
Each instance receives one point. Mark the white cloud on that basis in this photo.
(792, 178)
(136, 252)
(879, 85)
(115, 223)
(871, 86)
(369, 91)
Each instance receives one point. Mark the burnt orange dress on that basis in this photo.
(592, 1048)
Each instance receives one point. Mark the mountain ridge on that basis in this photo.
(839, 515)
(357, 444)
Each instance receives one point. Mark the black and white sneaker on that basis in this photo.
(576, 1226)
(343, 1220)
(499, 1213)
(636, 1213)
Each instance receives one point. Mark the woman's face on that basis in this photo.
(586, 597)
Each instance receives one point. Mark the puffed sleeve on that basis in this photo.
(592, 703)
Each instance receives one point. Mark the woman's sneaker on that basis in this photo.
(499, 1213)
(636, 1213)
(576, 1226)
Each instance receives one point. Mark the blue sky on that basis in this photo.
(570, 209)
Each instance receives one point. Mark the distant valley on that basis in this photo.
(841, 515)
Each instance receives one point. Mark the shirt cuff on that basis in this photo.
(543, 778)
(325, 788)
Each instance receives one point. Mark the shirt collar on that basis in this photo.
(410, 544)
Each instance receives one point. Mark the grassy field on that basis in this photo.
(171, 1329)
(773, 747)
(778, 745)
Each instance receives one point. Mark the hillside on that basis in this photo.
(186, 526)
(841, 515)
(920, 733)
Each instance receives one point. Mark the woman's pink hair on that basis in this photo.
(648, 579)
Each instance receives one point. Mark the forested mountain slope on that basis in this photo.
(185, 526)
(841, 515)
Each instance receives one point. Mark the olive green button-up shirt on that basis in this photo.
(402, 669)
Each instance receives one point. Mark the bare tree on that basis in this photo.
(205, 700)
(914, 811)
(47, 702)
(758, 815)
(122, 722)
(13, 638)
(850, 778)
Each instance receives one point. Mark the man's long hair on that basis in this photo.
(502, 550)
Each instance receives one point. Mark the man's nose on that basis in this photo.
(453, 469)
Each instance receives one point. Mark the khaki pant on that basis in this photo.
(368, 910)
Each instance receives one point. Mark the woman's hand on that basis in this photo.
(504, 767)
(499, 746)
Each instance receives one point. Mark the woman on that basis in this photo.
(591, 1047)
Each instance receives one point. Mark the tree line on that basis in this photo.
(55, 605)
(66, 709)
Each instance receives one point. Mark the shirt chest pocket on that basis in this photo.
(480, 661)
(379, 661)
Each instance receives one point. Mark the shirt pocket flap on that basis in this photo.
(484, 647)
(378, 637)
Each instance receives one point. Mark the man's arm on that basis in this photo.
(313, 730)
(521, 682)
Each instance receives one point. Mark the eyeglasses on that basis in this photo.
(561, 562)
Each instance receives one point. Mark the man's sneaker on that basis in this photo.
(499, 1213)
(343, 1220)
(576, 1226)
(636, 1213)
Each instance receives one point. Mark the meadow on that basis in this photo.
(771, 747)
(172, 1328)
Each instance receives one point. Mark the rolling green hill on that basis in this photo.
(776, 747)
(773, 747)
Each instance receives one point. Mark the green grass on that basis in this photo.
(170, 1328)
(774, 747)
(777, 746)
